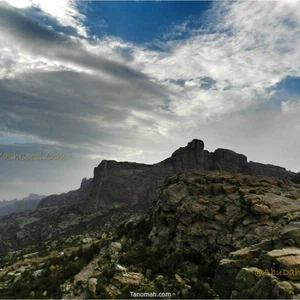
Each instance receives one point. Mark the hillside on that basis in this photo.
(207, 235)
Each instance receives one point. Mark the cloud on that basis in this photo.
(250, 47)
(107, 98)
(35, 39)
(65, 12)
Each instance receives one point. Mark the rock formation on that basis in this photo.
(119, 184)
(120, 189)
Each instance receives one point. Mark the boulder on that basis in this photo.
(291, 232)
(92, 286)
(129, 278)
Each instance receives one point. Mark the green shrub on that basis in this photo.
(107, 274)
(72, 269)
(201, 291)
(101, 292)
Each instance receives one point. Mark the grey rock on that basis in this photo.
(292, 232)
(119, 184)
(92, 286)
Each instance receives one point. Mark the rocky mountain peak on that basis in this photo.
(195, 147)
(195, 143)
(66, 199)
(118, 184)
(85, 182)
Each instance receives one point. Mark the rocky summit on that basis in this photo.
(117, 184)
(196, 225)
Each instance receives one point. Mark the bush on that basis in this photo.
(134, 256)
(201, 291)
(88, 254)
(101, 292)
(72, 269)
(79, 283)
(107, 274)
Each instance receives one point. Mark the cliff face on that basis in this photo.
(118, 184)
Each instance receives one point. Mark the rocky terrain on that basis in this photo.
(199, 224)
(117, 190)
(207, 235)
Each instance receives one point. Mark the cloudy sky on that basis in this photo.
(136, 80)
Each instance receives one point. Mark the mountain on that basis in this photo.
(14, 206)
(198, 224)
(33, 197)
(209, 234)
(119, 184)
(7, 202)
(64, 199)
(119, 189)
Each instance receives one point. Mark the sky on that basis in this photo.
(134, 81)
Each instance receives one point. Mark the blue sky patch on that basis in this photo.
(143, 22)
(286, 90)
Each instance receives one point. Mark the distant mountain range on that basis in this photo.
(13, 206)
(35, 201)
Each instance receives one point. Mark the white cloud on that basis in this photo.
(65, 12)
(255, 46)
(291, 108)
(19, 3)
(121, 101)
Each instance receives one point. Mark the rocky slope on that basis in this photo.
(117, 189)
(249, 225)
(207, 235)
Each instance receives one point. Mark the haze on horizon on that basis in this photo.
(134, 81)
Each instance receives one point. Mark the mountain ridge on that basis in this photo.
(119, 189)
(125, 183)
(14, 206)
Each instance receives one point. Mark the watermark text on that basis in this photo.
(150, 295)
(281, 272)
(32, 156)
